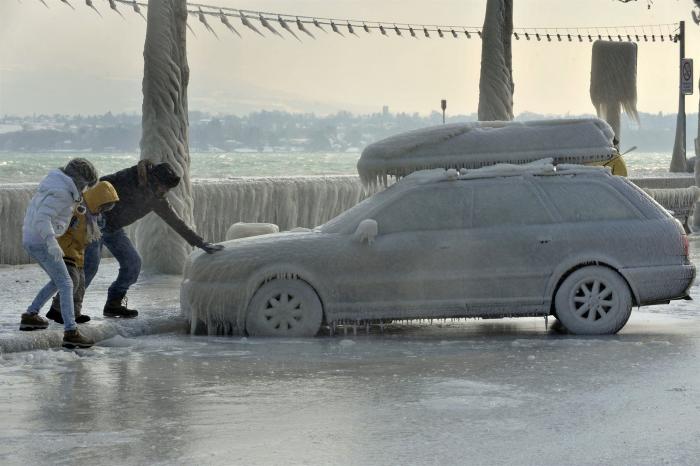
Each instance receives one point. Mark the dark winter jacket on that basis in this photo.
(137, 199)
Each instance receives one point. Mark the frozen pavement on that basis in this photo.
(465, 392)
(157, 297)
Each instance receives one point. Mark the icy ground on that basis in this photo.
(466, 392)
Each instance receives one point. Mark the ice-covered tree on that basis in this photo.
(165, 129)
(496, 81)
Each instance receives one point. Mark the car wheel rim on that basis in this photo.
(593, 300)
(283, 312)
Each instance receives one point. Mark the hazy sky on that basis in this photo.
(58, 60)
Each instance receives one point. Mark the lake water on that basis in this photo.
(19, 167)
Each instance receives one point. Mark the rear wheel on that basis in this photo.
(593, 300)
(284, 308)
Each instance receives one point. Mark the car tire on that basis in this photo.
(284, 308)
(593, 300)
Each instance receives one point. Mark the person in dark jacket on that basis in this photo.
(141, 189)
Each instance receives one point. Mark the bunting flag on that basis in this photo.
(653, 33)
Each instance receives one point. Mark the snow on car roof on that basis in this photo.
(479, 144)
(537, 167)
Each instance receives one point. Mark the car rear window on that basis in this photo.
(586, 200)
(510, 202)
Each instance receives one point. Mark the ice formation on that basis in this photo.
(436, 251)
(496, 81)
(680, 200)
(477, 144)
(288, 202)
(244, 230)
(165, 129)
(614, 81)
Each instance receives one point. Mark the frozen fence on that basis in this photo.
(286, 201)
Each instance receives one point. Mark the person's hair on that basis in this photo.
(164, 175)
(82, 172)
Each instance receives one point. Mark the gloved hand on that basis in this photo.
(54, 249)
(211, 248)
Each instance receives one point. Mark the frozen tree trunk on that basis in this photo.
(165, 129)
(496, 81)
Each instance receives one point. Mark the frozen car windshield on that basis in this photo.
(348, 220)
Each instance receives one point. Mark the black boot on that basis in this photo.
(115, 308)
(55, 315)
(82, 318)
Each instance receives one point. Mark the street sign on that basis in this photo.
(687, 76)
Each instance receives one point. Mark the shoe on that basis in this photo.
(32, 322)
(115, 308)
(55, 315)
(81, 319)
(74, 339)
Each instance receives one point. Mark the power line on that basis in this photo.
(304, 25)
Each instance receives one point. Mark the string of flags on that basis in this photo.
(298, 26)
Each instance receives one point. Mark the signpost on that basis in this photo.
(687, 76)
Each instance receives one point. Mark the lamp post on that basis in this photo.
(443, 105)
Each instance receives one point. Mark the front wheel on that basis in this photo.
(284, 308)
(593, 300)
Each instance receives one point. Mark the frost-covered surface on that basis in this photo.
(496, 79)
(614, 81)
(481, 243)
(492, 392)
(165, 129)
(244, 230)
(680, 201)
(474, 145)
(156, 296)
(286, 201)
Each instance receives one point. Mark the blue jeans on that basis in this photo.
(60, 280)
(123, 250)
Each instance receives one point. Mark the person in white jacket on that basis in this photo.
(48, 216)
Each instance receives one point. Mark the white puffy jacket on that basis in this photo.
(50, 210)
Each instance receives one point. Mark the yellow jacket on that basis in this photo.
(617, 165)
(76, 238)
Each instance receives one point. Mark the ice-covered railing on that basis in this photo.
(286, 201)
(479, 144)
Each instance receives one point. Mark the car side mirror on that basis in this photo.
(366, 231)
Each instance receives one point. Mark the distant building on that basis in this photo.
(385, 110)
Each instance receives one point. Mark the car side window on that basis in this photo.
(427, 208)
(581, 201)
(508, 203)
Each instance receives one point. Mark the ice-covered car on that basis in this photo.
(506, 240)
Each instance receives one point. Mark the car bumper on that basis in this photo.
(659, 284)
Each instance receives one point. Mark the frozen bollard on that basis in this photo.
(244, 230)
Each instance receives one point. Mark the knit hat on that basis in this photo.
(164, 174)
(82, 172)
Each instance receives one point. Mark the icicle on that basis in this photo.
(546, 321)
(190, 29)
(42, 1)
(454, 33)
(335, 28)
(137, 9)
(318, 25)
(382, 30)
(397, 30)
(412, 32)
(224, 19)
(246, 22)
(68, 3)
(265, 23)
(284, 25)
(303, 29)
(203, 20)
(89, 3)
(367, 327)
(366, 28)
(113, 5)
(425, 31)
